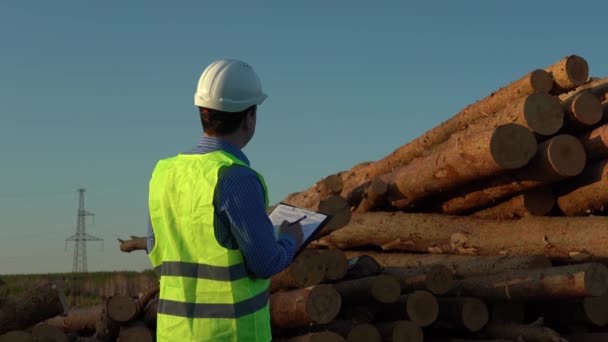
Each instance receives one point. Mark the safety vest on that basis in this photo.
(206, 293)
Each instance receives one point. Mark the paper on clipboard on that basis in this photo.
(310, 223)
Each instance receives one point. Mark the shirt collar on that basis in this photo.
(209, 144)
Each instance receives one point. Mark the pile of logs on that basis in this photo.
(488, 227)
(494, 220)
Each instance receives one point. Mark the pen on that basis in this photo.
(298, 220)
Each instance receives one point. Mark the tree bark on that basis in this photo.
(462, 313)
(586, 194)
(318, 304)
(78, 319)
(362, 266)
(536, 202)
(464, 159)
(529, 333)
(135, 243)
(400, 331)
(562, 238)
(571, 281)
(43, 302)
(438, 279)
(306, 270)
(558, 158)
(568, 73)
(462, 265)
(376, 289)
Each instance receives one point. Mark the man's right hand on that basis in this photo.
(294, 230)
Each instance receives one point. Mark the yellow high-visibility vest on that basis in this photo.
(206, 293)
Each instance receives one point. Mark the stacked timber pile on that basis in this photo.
(42, 314)
(508, 197)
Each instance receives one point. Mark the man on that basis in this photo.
(210, 236)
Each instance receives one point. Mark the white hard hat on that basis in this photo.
(229, 85)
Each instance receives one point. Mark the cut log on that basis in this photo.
(508, 312)
(336, 264)
(562, 238)
(595, 143)
(362, 266)
(78, 319)
(461, 265)
(559, 157)
(106, 329)
(377, 289)
(375, 193)
(317, 304)
(438, 279)
(585, 194)
(582, 311)
(323, 189)
(529, 333)
(462, 313)
(536, 202)
(306, 270)
(420, 307)
(338, 209)
(464, 159)
(582, 111)
(400, 331)
(17, 336)
(568, 73)
(43, 302)
(364, 333)
(596, 309)
(596, 86)
(135, 243)
(581, 280)
(325, 336)
(47, 333)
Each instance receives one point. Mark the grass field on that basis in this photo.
(82, 288)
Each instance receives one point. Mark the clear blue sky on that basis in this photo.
(93, 93)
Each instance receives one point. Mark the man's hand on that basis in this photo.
(295, 230)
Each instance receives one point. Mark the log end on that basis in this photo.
(596, 309)
(308, 269)
(121, 308)
(422, 308)
(135, 334)
(407, 331)
(566, 155)
(338, 208)
(577, 70)
(543, 113)
(512, 146)
(596, 280)
(386, 289)
(336, 262)
(541, 81)
(362, 266)
(334, 184)
(325, 336)
(364, 333)
(440, 279)
(323, 304)
(474, 314)
(586, 109)
(539, 202)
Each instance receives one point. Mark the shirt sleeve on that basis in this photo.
(240, 199)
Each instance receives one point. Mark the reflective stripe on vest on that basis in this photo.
(206, 292)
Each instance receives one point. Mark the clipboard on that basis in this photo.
(312, 221)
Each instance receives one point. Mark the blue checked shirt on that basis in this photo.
(241, 220)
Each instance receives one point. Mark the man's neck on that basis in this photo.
(233, 139)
